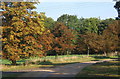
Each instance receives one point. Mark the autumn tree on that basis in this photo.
(64, 39)
(21, 26)
(85, 42)
(45, 42)
(114, 30)
(80, 45)
(86, 27)
(107, 42)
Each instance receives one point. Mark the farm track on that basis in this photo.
(69, 70)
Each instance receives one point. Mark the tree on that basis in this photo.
(80, 44)
(86, 26)
(114, 29)
(91, 25)
(106, 42)
(46, 41)
(104, 24)
(64, 39)
(49, 23)
(117, 7)
(69, 20)
(86, 40)
(21, 26)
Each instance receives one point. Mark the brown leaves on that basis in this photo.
(20, 30)
(63, 38)
(45, 41)
(107, 42)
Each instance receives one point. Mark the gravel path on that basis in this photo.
(69, 70)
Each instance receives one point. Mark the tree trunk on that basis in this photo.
(105, 53)
(45, 57)
(56, 56)
(13, 62)
(67, 52)
(116, 53)
(88, 51)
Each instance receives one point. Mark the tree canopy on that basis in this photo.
(20, 29)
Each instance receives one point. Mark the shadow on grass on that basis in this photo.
(97, 58)
(109, 63)
(11, 75)
(12, 65)
(54, 64)
(20, 62)
(101, 57)
(102, 69)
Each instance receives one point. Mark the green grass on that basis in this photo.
(50, 58)
(103, 69)
(50, 61)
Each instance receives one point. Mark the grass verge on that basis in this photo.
(50, 61)
(103, 69)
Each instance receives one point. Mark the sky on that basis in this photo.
(77, 0)
(83, 9)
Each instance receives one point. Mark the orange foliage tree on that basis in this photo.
(45, 42)
(107, 42)
(64, 39)
(21, 26)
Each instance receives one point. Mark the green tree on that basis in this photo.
(69, 20)
(91, 25)
(21, 26)
(117, 7)
(104, 24)
(49, 23)
(86, 27)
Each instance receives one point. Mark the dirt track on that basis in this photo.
(60, 71)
